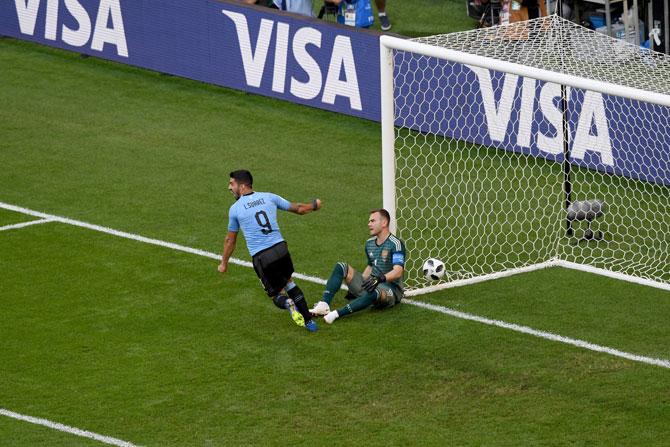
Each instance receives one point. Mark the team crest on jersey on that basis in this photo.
(385, 254)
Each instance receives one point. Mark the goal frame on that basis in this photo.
(389, 44)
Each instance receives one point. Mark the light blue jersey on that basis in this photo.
(256, 215)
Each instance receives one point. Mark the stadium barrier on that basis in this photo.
(334, 67)
(249, 48)
(522, 114)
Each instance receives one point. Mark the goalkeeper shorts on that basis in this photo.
(387, 295)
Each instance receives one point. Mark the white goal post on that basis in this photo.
(526, 146)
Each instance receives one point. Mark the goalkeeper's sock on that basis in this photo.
(335, 281)
(299, 300)
(359, 303)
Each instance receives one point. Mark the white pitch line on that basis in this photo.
(146, 240)
(444, 310)
(542, 334)
(25, 224)
(66, 428)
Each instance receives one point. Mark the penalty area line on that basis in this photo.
(444, 310)
(25, 224)
(66, 428)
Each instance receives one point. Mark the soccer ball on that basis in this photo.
(433, 269)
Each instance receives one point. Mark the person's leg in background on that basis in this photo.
(381, 13)
(533, 8)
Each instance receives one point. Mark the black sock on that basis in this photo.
(280, 301)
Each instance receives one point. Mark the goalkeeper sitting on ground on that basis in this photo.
(380, 284)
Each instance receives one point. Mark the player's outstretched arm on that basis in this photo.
(304, 208)
(228, 249)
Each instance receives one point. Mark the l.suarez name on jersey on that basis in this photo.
(298, 57)
(68, 21)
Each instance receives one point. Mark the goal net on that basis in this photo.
(524, 146)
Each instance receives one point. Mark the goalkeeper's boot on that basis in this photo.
(311, 326)
(295, 314)
(320, 309)
(331, 316)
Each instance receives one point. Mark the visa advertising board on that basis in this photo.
(604, 132)
(323, 65)
(302, 60)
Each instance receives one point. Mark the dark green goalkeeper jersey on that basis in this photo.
(383, 257)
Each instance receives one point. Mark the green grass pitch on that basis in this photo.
(152, 346)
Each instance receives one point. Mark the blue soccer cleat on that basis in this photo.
(311, 326)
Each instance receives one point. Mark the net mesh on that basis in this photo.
(556, 44)
(488, 163)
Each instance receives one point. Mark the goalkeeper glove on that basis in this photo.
(373, 281)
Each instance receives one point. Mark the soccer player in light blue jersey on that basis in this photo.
(380, 284)
(255, 213)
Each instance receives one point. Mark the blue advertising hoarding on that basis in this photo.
(605, 133)
(264, 51)
(311, 62)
